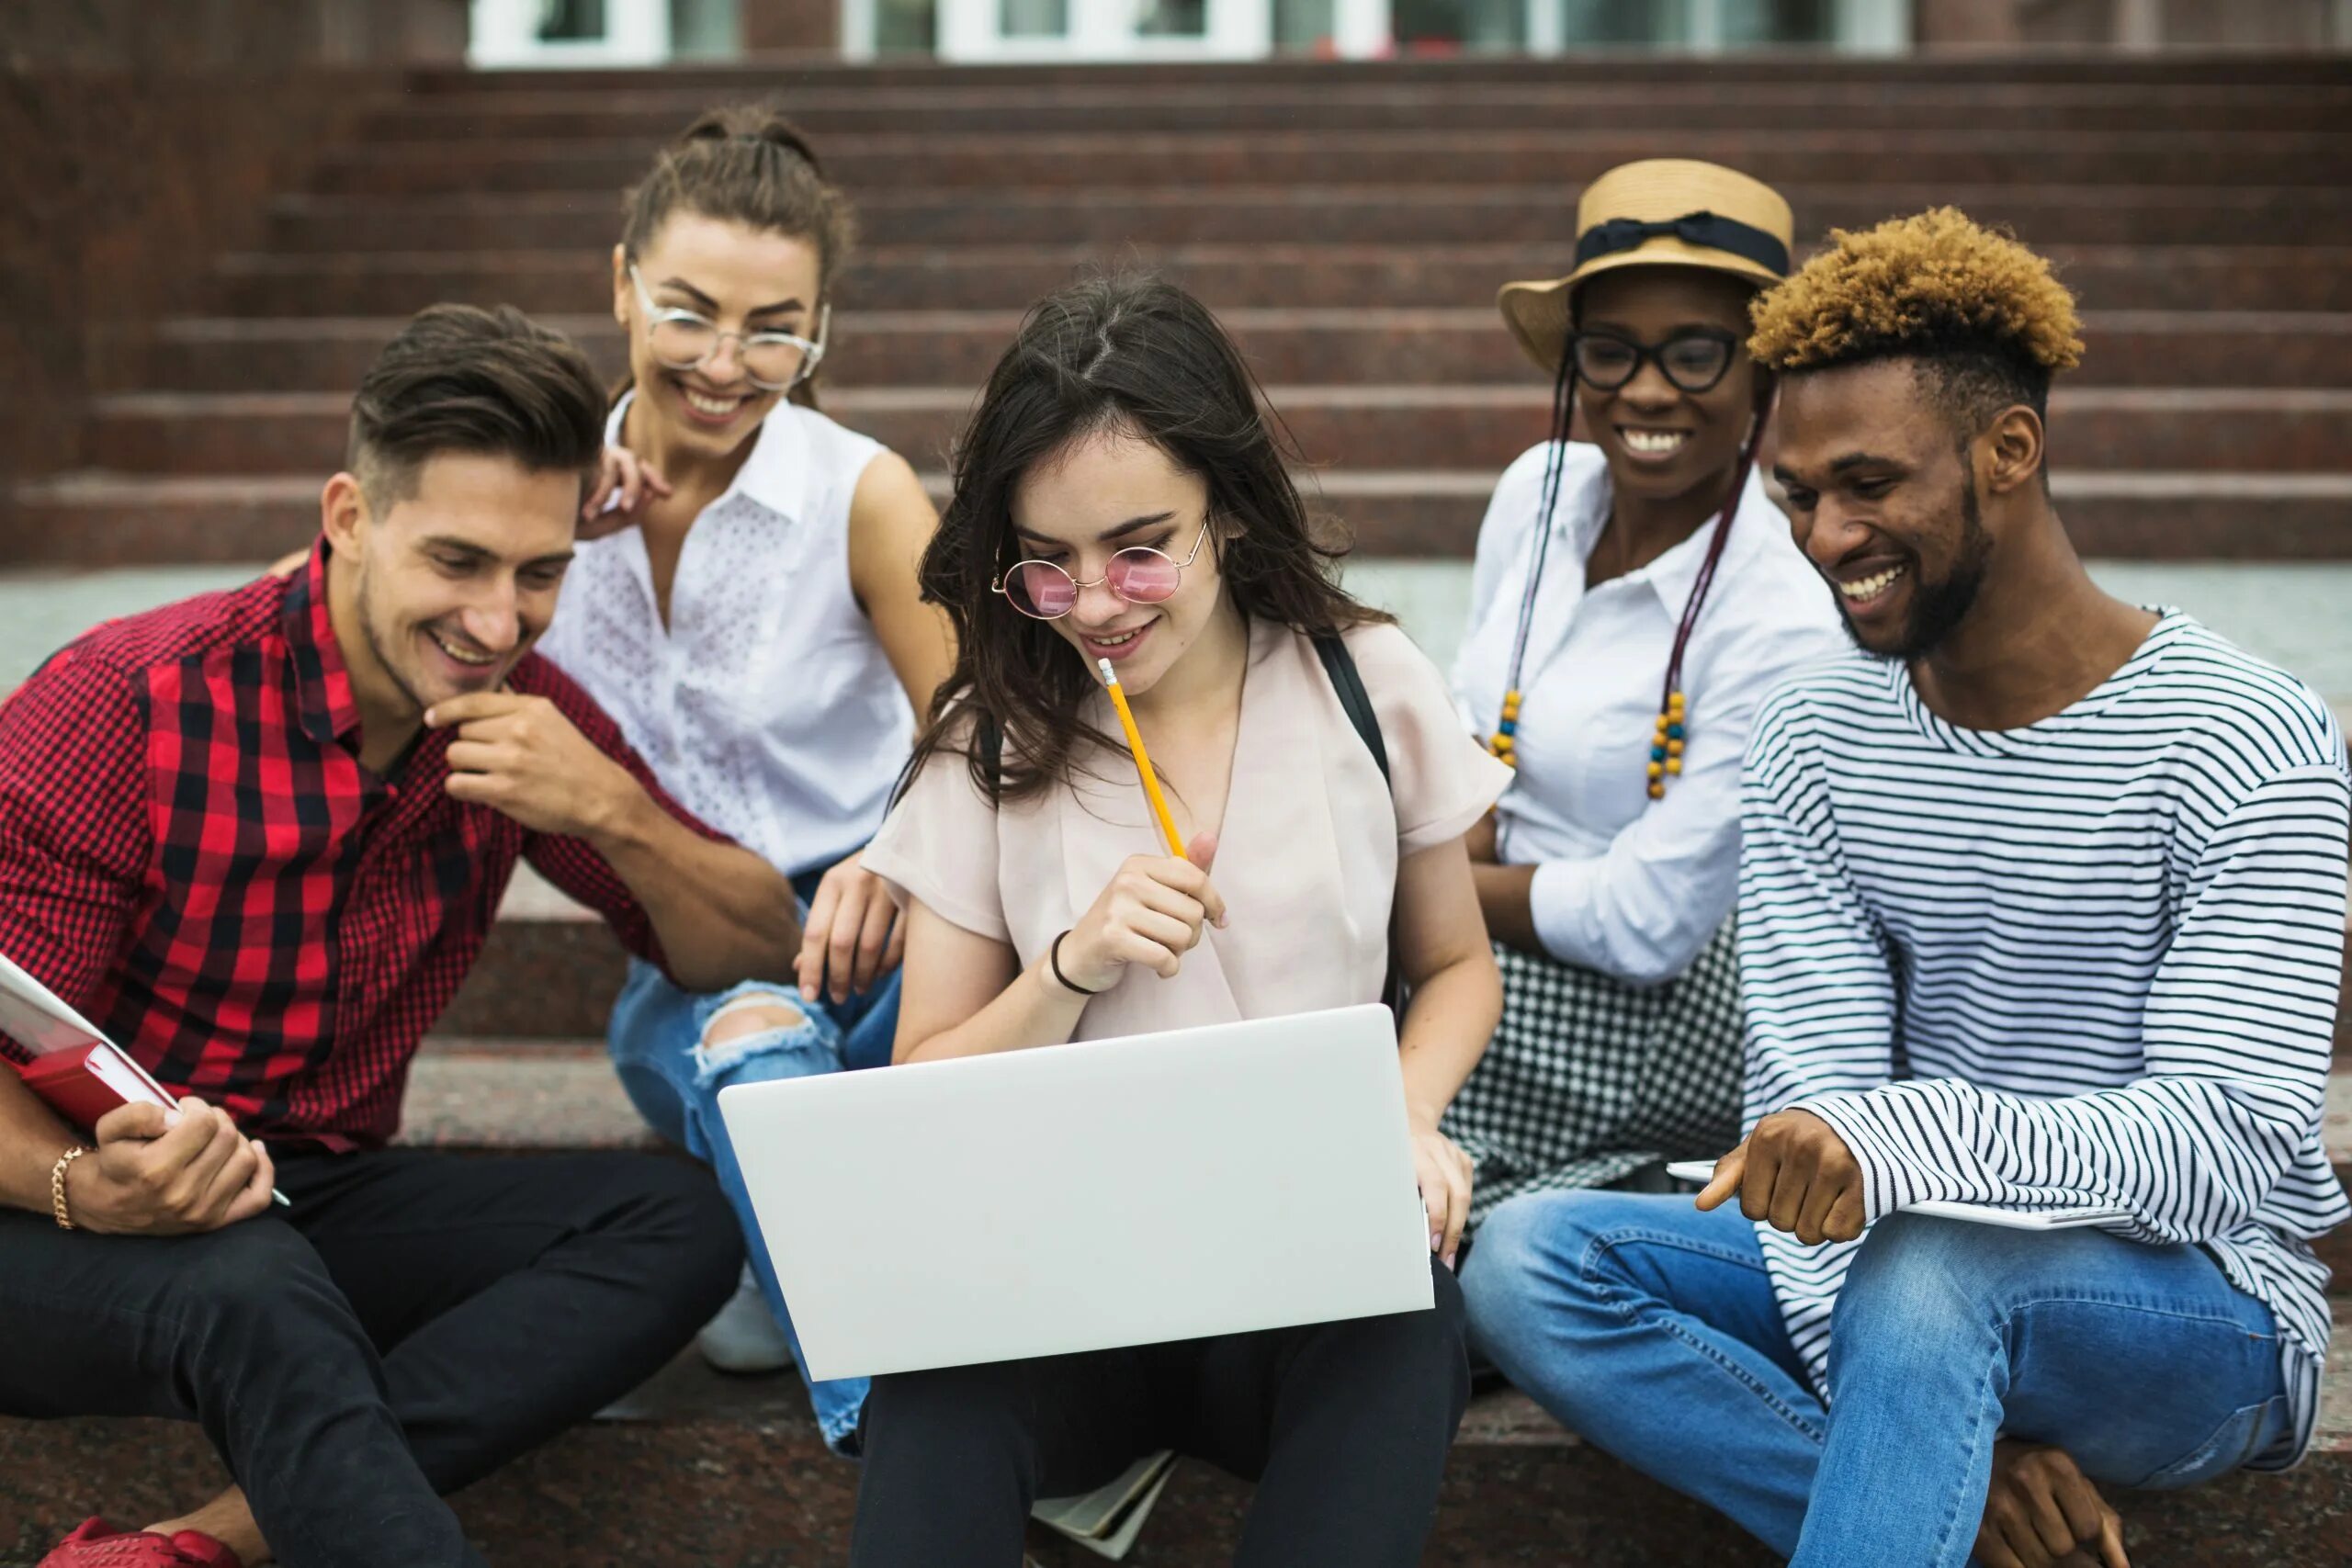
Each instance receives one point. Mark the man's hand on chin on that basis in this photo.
(521, 757)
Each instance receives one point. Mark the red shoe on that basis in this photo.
(96, 1544)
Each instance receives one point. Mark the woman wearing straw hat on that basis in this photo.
(1636, 594)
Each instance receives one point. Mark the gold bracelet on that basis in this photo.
(57, 1186)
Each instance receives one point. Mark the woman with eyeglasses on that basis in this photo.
(1636, 594)
(744, 603)
(1119, 496)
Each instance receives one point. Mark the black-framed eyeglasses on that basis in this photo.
(1693, 358)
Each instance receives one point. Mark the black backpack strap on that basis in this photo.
(990, 736)
(1347, 685)
(1356, 702)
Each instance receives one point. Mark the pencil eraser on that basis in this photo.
(1110, 676)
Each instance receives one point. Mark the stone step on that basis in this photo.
(696, 1470)
(1420, 157)
(277, 345)
(485, 1094)
(585, 221)
(97, 518)
(2048, 64)
(2291, 614)
(482, 1095)
(1350, 426)
(1100, 107)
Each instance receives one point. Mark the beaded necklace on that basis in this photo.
(1671, 734)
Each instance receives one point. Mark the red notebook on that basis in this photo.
(84, 1083)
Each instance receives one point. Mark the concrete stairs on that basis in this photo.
(700, 1468)
(1351, 223)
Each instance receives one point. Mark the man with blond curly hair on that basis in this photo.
(2041, 906)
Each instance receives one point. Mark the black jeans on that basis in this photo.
(1344, 1426)
(411, 1323)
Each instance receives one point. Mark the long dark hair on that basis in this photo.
(1133, 353)
(746, 164)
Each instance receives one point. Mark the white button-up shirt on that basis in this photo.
(1628, 886)
(766, 705)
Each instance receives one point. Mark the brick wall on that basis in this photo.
(142, 139)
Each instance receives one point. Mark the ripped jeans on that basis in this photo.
(655, 1036)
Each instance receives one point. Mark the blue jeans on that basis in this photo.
(655, 1036)
(1651, 1329)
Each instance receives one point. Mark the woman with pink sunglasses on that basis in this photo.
(1119, 496)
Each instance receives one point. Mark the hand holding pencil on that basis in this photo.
(1154, 907)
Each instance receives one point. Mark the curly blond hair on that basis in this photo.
(1931, 284)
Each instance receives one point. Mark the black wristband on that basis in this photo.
(1054, 958)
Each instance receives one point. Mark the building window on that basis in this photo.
(1769, 22)
(561, 22)
(1172, 18)
(704, 30)
(1459, 24)
(905, 27)
(1695, 24)
(1033, 19)
(1596, 24)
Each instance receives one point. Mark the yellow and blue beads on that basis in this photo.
(1666, 741)
(1665, 745)
(1501, 743)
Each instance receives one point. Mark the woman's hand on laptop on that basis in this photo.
(1444, 1171)
(1151, 914)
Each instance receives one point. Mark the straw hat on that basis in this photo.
(1659, 212)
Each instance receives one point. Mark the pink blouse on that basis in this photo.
(1306, 856)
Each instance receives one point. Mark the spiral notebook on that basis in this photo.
(2061, 1219)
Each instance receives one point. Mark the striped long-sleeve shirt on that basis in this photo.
(2094, 960)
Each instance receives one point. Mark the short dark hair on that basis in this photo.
(1981, 316)
(458, 378)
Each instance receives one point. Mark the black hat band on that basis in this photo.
(1707, 228)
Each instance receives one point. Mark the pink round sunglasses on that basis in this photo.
(1138, 574)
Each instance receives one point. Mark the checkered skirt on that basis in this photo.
(1589, 1079)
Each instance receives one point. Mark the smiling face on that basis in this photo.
(443, 590)
(1107, 491)
(1662, 442)
(1884, 500)
(741, 279)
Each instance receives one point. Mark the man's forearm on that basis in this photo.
(31, 1137)
(1504, 897)
(722, 914)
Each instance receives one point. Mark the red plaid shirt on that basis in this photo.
(192, 855)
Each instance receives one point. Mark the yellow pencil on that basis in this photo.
(1143, 759)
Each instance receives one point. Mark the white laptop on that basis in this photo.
(1071, 1198)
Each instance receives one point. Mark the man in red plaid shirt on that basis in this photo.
(259, 836)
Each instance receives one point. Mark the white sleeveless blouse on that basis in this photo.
(767, 706)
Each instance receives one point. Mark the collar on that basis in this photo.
(772, 472)
(330, 715)
(1674, 574)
